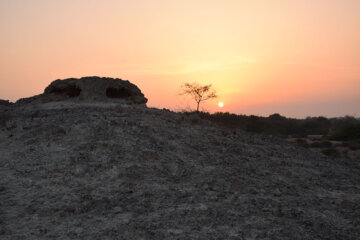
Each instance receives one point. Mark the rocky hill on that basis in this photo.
(85, 168)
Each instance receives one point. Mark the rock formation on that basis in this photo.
(90, 89)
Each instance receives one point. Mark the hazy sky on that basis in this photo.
(295, 57)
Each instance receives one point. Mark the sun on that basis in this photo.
(221, 104)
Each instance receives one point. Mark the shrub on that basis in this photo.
(332, 152)
(3, 119)
(347, 133)
(322, 144)
(302, 142)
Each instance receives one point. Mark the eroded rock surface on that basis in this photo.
(71, 170)
(90, 89)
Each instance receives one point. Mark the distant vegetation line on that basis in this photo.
(342, 129)
(335, 137)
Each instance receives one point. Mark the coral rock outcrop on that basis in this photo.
(90, 89)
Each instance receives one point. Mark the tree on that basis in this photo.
(198, 93)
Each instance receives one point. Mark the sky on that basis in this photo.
(298, 58)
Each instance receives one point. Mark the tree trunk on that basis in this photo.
(197, 108)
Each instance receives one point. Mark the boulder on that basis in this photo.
(90, 89)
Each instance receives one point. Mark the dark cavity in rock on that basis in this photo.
(70, 91)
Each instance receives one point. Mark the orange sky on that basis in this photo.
(298, 58)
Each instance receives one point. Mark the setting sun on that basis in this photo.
(221, 104)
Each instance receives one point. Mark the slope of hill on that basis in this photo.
(93, 170)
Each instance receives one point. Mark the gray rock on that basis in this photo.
(89, 89)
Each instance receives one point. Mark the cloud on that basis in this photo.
(223, 63)
(187, 66)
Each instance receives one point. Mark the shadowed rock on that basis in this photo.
(5, 102)
(90, 89)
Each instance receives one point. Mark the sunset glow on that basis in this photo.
(221, 104)
(297, 58)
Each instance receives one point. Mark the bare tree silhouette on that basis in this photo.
(198, 93)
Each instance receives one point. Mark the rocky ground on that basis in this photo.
(345, 149)
(88, 170)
